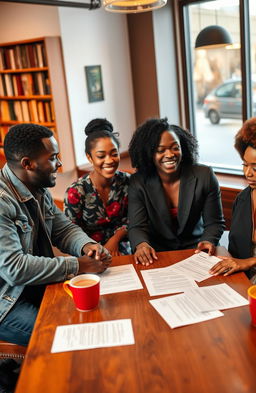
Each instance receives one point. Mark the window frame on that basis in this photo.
(187, 100)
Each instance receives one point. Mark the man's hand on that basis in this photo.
(92, 265)
(202, 246)
(96, 250)
(144, 254)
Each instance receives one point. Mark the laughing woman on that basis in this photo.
(174, 203)
(98, 201)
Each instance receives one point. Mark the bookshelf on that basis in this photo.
(33, 90)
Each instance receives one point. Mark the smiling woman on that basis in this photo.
(98, 202)
(174, 203)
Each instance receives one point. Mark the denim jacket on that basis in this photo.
(18, 266)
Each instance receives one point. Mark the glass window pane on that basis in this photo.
(252, 7)
(217, 84)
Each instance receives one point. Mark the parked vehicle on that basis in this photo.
(225, 101)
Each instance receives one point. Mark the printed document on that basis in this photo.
(179, 310)
(162, 281)
(197, 266)
(215, 297)
(93, 335)
(119, 279)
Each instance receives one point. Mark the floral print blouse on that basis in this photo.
(84, 206)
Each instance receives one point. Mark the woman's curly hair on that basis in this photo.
(246, 136)
(146, 139)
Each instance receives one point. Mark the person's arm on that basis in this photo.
(212, 215)
(74, 203)
(229, 265)
(138, 230)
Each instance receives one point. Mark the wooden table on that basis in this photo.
(215, 356)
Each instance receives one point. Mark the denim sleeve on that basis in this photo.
(17, 264)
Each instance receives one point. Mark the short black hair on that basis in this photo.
(96, 129)
(146, 139)
(246, 136)
(25, 140)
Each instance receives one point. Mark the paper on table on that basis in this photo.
(162, 281)
(119, 279)
(93, 335)
(178, 310)
(215, 297)
(197, 266)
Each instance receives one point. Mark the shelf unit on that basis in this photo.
(33, 90)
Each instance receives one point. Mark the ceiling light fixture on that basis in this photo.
(132, 6)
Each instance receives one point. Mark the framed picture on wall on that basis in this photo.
(94, 83)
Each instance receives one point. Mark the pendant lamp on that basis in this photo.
(213, 37)
(132, 6)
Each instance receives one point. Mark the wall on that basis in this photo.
(91, 38)
(88, 38)
(166, 69)
(25, 21)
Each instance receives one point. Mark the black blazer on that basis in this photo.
(199, 212)
(240, 235)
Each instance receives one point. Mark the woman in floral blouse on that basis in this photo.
(98, 202)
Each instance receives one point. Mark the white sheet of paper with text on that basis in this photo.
(162, 281)
(178, 310)
(93, 335)
(197, 266)
(215, 297)
(119, 279)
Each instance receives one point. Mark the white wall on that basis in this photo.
(97, 38)
(166, 63)
(25, 21)
(88, 38)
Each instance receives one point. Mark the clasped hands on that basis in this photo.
(96, 259)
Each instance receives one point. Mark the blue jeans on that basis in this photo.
(18, 324)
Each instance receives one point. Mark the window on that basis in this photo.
(221, 81)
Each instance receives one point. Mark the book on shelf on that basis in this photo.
(33, 111)
(18, 111)
(25, 111)
(3, 91)
(4, 111)
(8, 84)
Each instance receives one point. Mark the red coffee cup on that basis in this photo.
(252, 303)
(85, 291)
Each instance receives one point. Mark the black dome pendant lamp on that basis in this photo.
(213, 37)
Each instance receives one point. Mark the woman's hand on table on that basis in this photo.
(229, 265)
(203, 246)
(144, 254)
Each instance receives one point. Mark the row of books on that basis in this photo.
(27, 84)
(27, 111)
(23, 56)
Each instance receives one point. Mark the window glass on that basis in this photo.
(217, 86)
(252, 7)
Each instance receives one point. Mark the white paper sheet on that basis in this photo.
(119, 279)
(197, 266)
(93, 335)
(215, 297)
(162, 281)
(178, 310)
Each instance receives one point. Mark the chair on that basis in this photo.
(11, 351)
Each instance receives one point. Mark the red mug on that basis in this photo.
(252, 303)
(85, 291)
